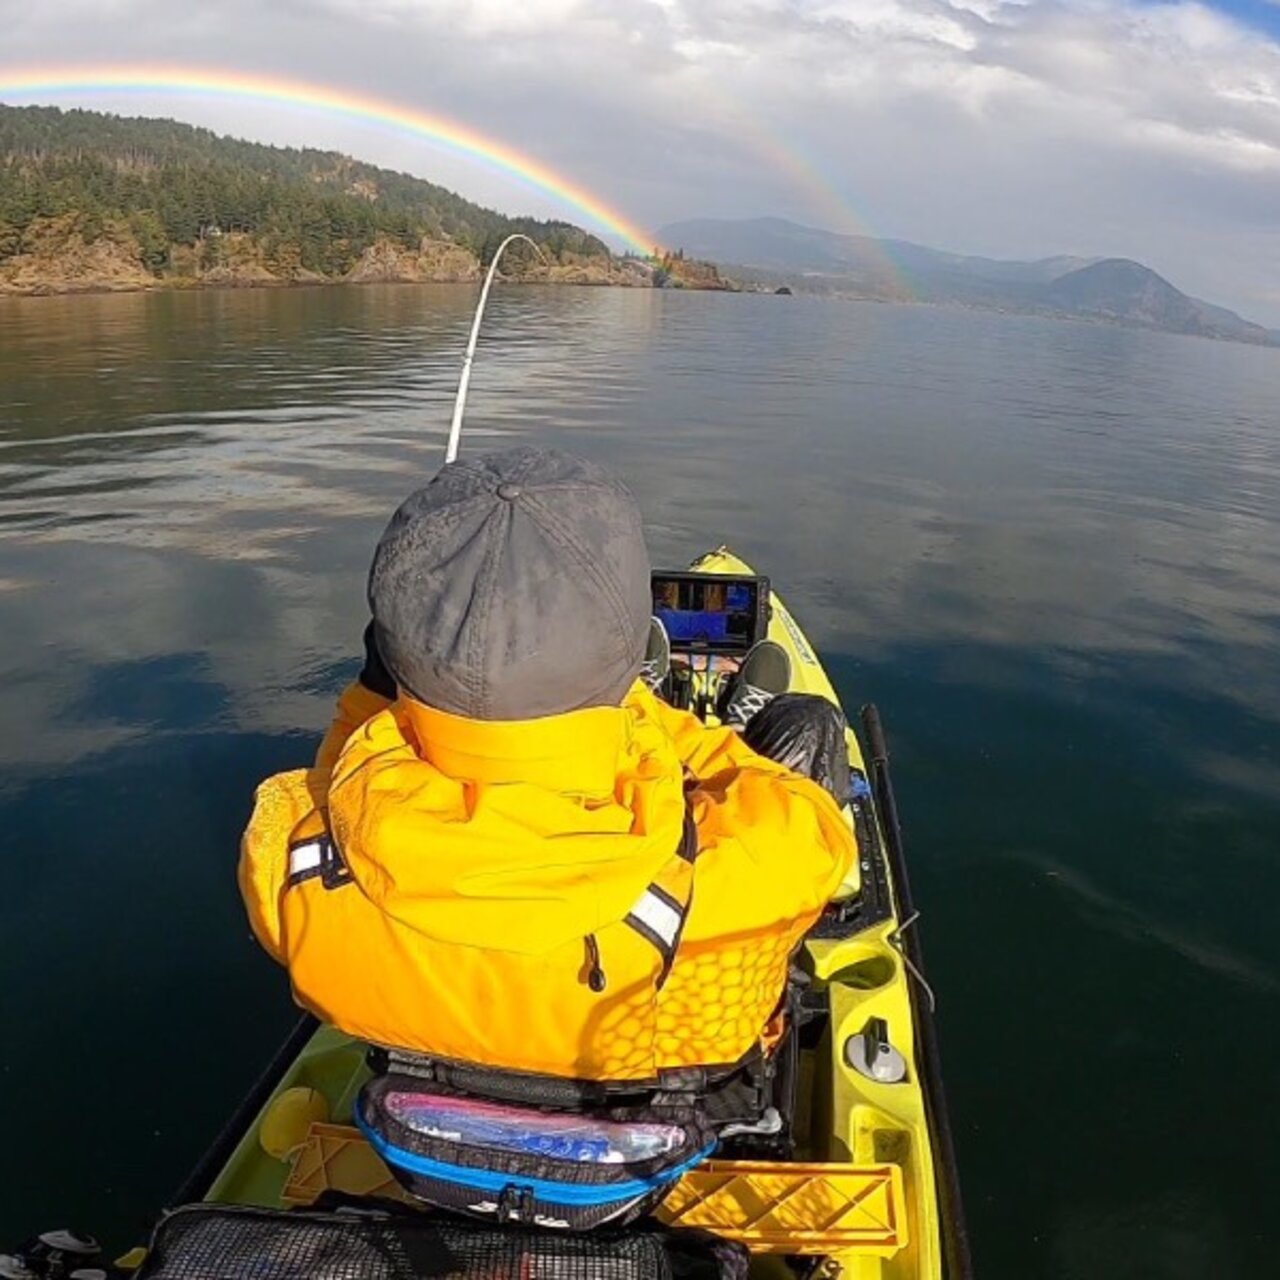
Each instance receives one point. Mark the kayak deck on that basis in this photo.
(855, 1119)
(844, 1118)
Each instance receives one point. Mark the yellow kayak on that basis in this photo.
(869, 1188)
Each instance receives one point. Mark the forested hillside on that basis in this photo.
(93, 200)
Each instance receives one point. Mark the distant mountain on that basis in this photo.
(774, 251)
(1121, 289)
(775, 244)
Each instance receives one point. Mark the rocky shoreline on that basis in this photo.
(58, 259)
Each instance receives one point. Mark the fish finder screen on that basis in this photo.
(703, 612)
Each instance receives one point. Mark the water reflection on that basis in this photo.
(1021, 481)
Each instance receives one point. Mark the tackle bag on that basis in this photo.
(538, 1166)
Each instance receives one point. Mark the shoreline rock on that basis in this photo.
(64, 255)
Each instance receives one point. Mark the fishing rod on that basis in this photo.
(464, 383)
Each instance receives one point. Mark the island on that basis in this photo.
(91, 202)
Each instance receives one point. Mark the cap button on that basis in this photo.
(508, 492)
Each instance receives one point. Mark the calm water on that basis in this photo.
(1050, 552)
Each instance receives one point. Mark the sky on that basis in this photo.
(1011, 128)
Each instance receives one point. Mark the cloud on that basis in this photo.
(979, 125)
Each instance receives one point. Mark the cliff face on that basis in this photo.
(229, 260)
(580, 269)
(437, 261)
(69, 254)
(56, 258)
(675, 271)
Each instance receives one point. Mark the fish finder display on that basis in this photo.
(715, 614)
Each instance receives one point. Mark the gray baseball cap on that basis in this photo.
(513, 586)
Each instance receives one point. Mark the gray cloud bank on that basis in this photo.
(985, 126)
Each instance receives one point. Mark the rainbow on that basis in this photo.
(785, 155)
(459, 138)
(837, 214)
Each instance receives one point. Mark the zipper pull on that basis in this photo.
(595, 973)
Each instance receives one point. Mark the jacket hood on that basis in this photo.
(511, 835)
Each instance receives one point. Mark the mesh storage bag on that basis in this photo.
(235, 1242)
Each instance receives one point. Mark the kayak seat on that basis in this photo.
(738, 1093)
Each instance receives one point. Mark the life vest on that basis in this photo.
(600, 895)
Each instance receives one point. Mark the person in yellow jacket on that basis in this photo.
(510, 852)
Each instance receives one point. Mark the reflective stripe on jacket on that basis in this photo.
(522, 895)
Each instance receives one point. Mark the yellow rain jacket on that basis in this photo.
(526, 895)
